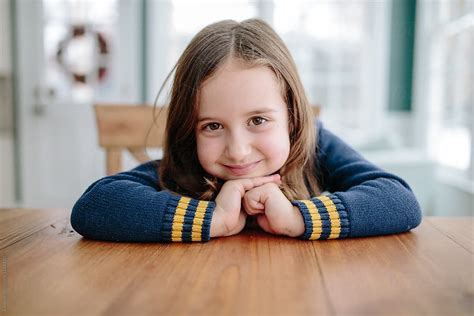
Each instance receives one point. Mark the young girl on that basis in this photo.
(241, 141)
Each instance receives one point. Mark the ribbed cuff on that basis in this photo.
(187, 220)
(325, 217)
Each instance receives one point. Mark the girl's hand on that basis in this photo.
(275, 214)
(228, 219)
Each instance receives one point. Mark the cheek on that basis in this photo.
(207, 150)
(281, 152)
(276, 147)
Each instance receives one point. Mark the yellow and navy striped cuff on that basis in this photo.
(325, 217)
(187, 220)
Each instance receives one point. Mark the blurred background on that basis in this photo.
(394, 78)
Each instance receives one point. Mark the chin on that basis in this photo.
(245, 176)
(225, 176)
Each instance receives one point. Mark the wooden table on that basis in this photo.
(48, 268)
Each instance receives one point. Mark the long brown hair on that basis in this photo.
(256, 43)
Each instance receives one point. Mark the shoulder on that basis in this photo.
(151, 167)
(144, 174)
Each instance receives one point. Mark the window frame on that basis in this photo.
(437, 23)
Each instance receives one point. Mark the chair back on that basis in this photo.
(128, 128)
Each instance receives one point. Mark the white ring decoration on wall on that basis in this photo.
(98, 53)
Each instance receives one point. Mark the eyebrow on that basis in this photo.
(255, 112)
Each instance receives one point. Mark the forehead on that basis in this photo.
(237, 87)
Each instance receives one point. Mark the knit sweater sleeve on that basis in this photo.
(130, 207)
(363, 199)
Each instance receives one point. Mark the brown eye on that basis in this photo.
(213, 126)
(257, 120)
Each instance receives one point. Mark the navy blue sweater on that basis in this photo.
(363, 200)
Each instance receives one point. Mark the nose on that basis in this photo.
(238, 147)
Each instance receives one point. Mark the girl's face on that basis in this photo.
(242, 129)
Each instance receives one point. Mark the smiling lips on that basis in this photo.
(240, 170)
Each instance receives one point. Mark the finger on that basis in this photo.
(278, 179)
(251, 183)
(254, 200)
(252, 206)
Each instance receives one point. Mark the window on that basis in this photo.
(173, 23)
(77, 38)
(340, 48)
(447, 47)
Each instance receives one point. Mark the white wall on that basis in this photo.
(6, 117)
(451, 200)
(5, 60)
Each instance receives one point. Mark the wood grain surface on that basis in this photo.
(47, 268)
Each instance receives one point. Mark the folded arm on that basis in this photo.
(130, 207)
(363, 201)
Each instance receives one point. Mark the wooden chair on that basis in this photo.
(316, 110)
(131, 128)
(128, 128)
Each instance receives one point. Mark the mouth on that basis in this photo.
(242, 169)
